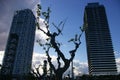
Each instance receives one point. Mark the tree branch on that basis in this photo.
(49, 60)
(76, 42)
(59, 31)
(33, 72)
(58, 60)
(37, 70)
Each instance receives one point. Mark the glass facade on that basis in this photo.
(19, 49)
(101, 59)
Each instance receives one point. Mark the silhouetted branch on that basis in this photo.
(47, 14)
(57, 27)
(37, 73)
(49, 60)
(76, 42)
(37, 69)
(58, 60)
(59, 31)
(34, 73)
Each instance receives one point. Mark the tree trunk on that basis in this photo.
(58, 76)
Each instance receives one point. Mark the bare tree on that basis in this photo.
(36, 73)
(52, 43)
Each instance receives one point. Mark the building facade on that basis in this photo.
(19, 49)
(101, 59)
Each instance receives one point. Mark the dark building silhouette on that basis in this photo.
(101, 59)
(19, 49)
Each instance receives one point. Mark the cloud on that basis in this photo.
(39, 34)
(38, 59)
(79, 67)
(7, 9)
(118, 64)
(1, 56)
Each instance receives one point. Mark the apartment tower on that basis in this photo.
(19, 49)
(101, 59)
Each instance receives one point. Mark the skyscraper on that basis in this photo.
(101, 59)
(19, 49)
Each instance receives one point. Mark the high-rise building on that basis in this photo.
(19, 49)
(101, 59)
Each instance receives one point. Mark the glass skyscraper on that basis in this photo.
(19, 49)
(101, 59)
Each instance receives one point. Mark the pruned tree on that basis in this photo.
(52, 43)
(36, 73)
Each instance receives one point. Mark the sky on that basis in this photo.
(73, 12)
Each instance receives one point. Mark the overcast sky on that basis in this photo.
(73, 11)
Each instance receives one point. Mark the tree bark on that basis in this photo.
(59, 74)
